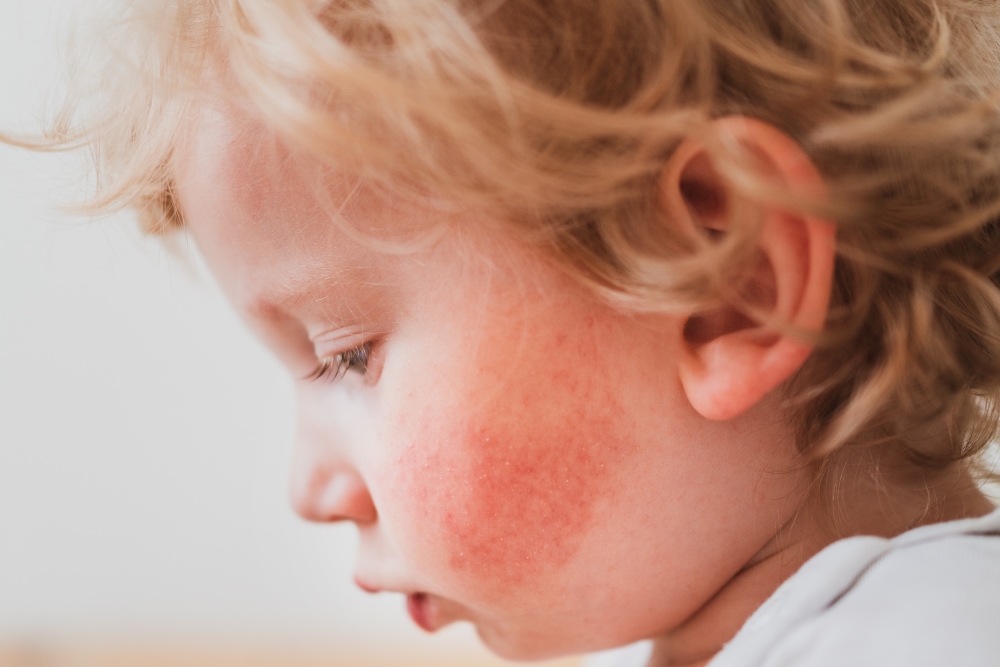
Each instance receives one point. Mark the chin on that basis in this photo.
(522, 646)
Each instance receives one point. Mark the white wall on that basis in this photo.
(143, 435)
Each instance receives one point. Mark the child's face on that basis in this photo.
(517, 454)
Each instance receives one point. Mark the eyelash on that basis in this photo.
(335, 367)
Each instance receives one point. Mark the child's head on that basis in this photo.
(513, 449)
(571, 259)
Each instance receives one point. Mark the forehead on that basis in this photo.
(266, 219)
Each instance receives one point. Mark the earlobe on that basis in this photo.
(732, 360)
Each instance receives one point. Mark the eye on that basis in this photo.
(336, 366)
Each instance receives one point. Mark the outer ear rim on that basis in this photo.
(728, 375)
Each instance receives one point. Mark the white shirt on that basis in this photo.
(927, 598)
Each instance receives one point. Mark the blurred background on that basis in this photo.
(144, 444)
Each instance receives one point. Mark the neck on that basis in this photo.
(905, 500)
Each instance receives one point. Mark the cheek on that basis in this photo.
(501, 494)
(512, 506)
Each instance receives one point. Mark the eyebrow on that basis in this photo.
(281, 302)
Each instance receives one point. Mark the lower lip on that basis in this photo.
(419, 605)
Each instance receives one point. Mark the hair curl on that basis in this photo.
(559, 114)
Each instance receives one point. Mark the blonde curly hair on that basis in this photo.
(559, 116)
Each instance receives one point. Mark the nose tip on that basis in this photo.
(333, 495)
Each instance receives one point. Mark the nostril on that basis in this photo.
(334, 499)
(347, 497)
(337, 495)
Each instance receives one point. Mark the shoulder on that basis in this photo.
(927, 598)
(926, 601)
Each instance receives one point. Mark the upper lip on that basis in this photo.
(369, 587)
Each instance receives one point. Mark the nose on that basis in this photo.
(327, 492)
(325, 485)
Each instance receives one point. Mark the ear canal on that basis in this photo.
(704, 194)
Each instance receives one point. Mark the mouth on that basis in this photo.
(425, 609)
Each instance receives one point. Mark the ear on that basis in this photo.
(731, 361)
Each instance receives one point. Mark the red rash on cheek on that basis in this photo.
(507, 494)
(526, 511)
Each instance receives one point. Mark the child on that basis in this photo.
(610, 320)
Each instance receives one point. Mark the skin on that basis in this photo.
(517, 453)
